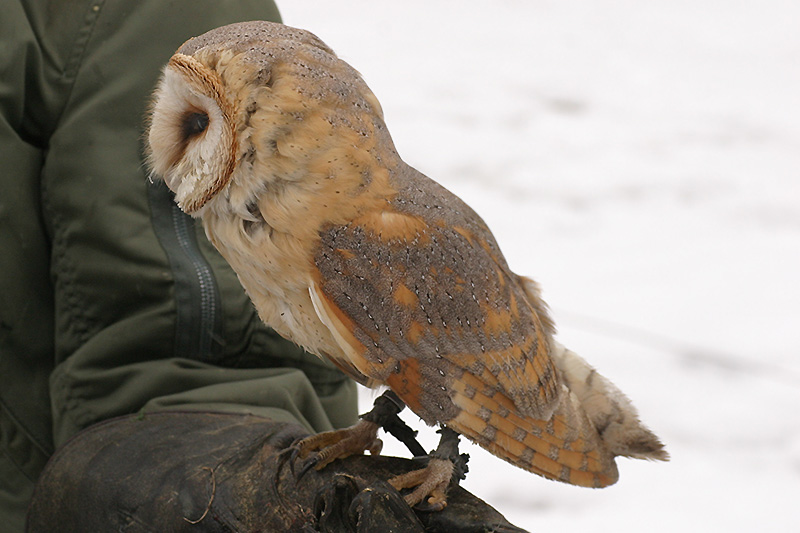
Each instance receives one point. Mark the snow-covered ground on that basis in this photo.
(642, 161)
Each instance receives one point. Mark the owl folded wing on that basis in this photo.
(399, 293)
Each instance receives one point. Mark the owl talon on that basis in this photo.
(437, 501)
(292, 454)
(308, 465)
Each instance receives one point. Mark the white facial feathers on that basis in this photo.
(192, 141)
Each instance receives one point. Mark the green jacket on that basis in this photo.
(111, 300)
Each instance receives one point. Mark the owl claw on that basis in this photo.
(308, 465)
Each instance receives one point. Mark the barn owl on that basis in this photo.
(281, 149)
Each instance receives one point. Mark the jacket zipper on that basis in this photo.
(197, 302)
(204, 281)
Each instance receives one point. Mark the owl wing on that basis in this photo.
(419, 297)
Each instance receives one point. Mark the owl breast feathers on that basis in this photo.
(281, 148)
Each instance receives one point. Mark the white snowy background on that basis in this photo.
(641, 160)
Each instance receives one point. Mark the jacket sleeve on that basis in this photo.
(113, 302)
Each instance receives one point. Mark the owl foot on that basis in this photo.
(432, 482)
(332, 445)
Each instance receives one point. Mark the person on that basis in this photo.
(139, 390)
(112, 301)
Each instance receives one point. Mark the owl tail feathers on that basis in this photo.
(607, 408)
(564, 448)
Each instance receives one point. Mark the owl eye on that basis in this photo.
(194, 124)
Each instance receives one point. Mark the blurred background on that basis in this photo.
(641, 160)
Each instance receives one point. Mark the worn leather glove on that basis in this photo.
(221, 472)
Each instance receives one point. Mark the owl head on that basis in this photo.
(252, 105)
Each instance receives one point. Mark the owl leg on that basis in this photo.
(432, 482)
(384, 413)
(362, 436)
